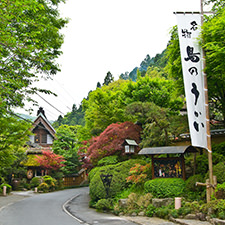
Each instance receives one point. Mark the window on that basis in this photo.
(132, 149)
(127, 149)
(44, 138)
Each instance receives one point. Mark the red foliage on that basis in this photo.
(138, 173)
(110, 141)
(50, 161)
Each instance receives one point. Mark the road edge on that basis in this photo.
(67, 212)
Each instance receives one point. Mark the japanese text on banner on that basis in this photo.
(191, 57)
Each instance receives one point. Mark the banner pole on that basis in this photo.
(209, 148)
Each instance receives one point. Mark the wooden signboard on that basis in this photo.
(172, 167)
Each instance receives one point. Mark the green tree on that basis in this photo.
(13, 136)
(156, 89)
(29, 44)
(73, 118)
(66, 144)
(104, 106)
(213, 37)
(108, 78)
(160, 125)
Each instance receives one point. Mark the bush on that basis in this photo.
(217, 208)
(43, 187)
(24, 184)
(51, 182)
(162, 212)
(150, 210)
(109, 160)
(165, 187)
(35, 182)
(192, 191)
(220, 191)
(104, 204)
(8, 188)
(218, 171)
(190, 183)
(119, 171)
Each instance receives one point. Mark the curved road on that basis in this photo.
(67, 207)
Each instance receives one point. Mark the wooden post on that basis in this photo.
(209, 148)
(153, 167)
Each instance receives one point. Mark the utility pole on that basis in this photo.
(209, 148)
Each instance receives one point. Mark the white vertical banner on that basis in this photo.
(191, 57)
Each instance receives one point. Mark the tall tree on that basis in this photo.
(213, 42)
(13, 136)
(73, 118)
(105, 106)
(29, 44)
(108, 78)
(160, 125)
(155, 89)
(66, 144)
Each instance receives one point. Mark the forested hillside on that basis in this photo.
(76, 116)
(152, 94)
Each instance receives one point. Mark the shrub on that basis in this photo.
(93, 172)
(150, 210)
(35, 182)
(190, 183)
(220, 191)
(217, 208)
(132, 201)
(144, 200)
(119, 173)
(194, 206)
(109, 160)
(139, 174)
(8, 188)
(192, 191)
(162, 212)
(43, 187)
(24, 184)
(165, 187)
(135, 203)
(218, 171)
(104, 204)
(51, 182)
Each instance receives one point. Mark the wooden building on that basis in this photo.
(41, 140)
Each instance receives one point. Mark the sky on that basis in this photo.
(102, 36)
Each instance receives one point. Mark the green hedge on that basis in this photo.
(119, 171)
(165, 187)
(109, 160)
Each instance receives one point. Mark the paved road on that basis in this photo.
(68, 207)
(47, 209)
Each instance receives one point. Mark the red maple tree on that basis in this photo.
(110, 142)
(50, 161)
